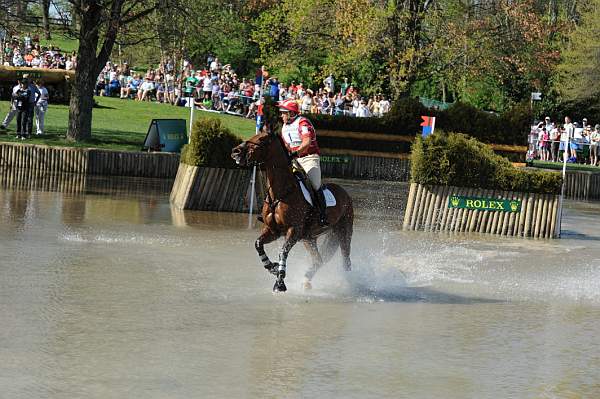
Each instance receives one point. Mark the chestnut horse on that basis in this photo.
(285, 211)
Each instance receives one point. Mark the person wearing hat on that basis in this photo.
(21, 102)
(300, 139)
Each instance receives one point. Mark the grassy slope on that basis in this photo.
(119, 124)
(60, 40)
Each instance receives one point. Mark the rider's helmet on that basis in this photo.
(289, 106)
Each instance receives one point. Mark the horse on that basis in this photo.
(286, 212)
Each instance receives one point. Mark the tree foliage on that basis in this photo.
(489, 54)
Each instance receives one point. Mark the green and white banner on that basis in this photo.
(484, 204)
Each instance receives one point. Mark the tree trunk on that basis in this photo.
(21, 9)
(86, 73)
(46, 18)
(90, 64)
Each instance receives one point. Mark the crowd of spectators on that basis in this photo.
(213, 87)
(27, 52)
(548, 139)
(218, 88)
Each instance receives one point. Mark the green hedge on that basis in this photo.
(210, 145)
(405, 119)
(456, 160)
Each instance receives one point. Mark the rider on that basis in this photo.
(300, 138)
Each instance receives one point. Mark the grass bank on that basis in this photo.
(60, 40)
(119, 124)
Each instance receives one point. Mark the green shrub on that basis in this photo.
(210, 145)
(457, 160)
(405, 119)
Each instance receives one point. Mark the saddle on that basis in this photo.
(310, 194)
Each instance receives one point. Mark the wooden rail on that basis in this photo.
(88, 161)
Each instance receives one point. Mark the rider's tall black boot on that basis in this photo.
(322, 205)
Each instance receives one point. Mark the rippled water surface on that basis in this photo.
(109, 293)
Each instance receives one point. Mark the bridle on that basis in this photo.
(272, 202)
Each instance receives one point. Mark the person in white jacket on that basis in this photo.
(12, 112)
(41, 107)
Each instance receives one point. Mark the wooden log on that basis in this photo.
(528, 215)
(441, 190)
(409, 206)
(538, 215)
(505, 215)
(512, 220)
(417, 204)
(445, 210)
(422, 201)
(544, 218)
(427, 206)
(555, 216)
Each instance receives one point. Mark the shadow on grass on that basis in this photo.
(101, 138)
(98, 106)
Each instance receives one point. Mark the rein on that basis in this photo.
(274, 202)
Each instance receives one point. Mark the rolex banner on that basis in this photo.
(484, 204)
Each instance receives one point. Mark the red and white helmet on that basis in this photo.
(289, 106)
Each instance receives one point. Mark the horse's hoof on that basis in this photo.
(272, 268)
(279, 286)
(306, 285)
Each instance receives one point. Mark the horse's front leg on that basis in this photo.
(266, 236)
(291, 238)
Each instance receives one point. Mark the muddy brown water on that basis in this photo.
(109, 293)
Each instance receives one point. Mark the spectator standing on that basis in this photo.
(170, 88)
(554, 142)
(33, 99)
(12, 112)
(362, 111)
(384, 106)
(207, 86)
(355, 105)
(566, 137)
(215, 66)
(329, 84)
(344, 87)
(274, 88)
(21, 100)
(41, 107)
(306, 102)
(190, 86)
(594, 142)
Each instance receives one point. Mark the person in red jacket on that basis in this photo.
(300, 138)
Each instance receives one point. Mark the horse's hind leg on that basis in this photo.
(344, 232)
(265, 237)
(317, 262)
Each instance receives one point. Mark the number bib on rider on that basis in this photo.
(293, 133)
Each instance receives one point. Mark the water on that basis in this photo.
(109, 293)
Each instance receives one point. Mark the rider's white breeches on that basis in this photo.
(312, 166)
